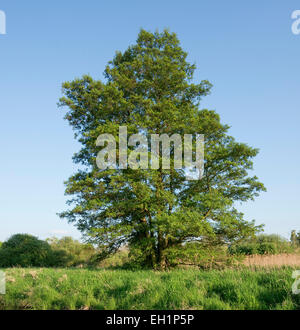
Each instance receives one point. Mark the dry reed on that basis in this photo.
(272, 260)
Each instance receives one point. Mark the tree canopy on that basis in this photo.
(157, 213)
(25, 251)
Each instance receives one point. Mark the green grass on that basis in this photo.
(123, 289)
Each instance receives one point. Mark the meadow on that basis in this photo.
(119, 289)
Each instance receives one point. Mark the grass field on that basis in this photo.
(122, 289)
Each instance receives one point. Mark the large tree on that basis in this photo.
(157, 213)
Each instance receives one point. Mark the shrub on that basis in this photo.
(120, 260)
(25, 251)
(262, 244)
(204, 257)
(245, 248)
(69, 252)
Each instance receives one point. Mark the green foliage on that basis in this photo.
(263, 244)
(26, 251)
(199, 255)
(119, 259)
(149, 89)
(148, 290)
(69, 252)
(295, 238)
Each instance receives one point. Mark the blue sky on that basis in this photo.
(246, 49)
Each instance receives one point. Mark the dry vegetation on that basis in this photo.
(272, 260)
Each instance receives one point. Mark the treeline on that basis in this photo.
(25, 250)
(264, 244)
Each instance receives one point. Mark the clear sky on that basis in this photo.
(245, 48)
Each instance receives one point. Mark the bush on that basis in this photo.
(25, 251)
(203, 257)
(69, 252)
(245, 248)
(28, 251)
(119, 260)
(269, 248)
(262, 244)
